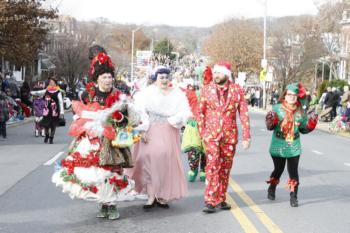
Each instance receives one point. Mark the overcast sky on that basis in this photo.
(198, 13)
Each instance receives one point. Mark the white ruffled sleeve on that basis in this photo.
(184, 112)
(60, 102)
(140, 107)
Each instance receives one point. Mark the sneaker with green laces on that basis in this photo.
(103, 212)
(202, 176)
(191, 175)
(113, 212)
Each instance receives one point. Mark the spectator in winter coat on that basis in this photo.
(38, 108)
(12, 87)
(4, 116)
(25, 94)
(336, 101)
(345, 98)
(53, 109)
(329, 101)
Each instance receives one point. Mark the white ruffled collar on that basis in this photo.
(161, 103)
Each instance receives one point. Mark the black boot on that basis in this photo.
(271, 192)
(293, 199)
(51, 140)
(293, 186)
(209, 209)
(46, 139)
(224, 206)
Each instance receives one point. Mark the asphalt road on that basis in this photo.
(29, 202)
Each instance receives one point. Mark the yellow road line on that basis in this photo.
(269, 224)
(243, 220)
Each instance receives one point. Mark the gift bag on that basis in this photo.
(123, 139)
(114, 156)
(191, 139)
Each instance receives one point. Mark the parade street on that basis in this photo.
(30, 202)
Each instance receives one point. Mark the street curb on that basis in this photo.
(320, 126)
(26, 121)
(19, 123)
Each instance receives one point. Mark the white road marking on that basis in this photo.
(263, 130)
(53, 159)
(317, 152)
(347, 164)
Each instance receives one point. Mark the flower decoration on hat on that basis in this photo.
(102, 59)
(302, 91)
(298, 89)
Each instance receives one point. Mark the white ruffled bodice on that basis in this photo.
(158, 107)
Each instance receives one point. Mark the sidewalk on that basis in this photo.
(20, 122)
(323, 126)
(27, 120)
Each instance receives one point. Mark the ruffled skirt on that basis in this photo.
(81, 175)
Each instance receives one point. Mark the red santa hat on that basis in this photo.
(223, 67)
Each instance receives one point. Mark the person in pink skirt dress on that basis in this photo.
(158, 169)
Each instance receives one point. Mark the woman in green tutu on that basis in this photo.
(191, 141)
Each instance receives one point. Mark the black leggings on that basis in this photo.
(3, 129)
(292, 166)
(50, 131)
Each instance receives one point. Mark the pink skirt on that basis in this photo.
(157, 163)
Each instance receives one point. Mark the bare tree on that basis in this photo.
(237, 41)
(71, 59)
(329, 14)
(293, 51)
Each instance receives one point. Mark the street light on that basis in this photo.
(264, 61)
(265, 13)
(132, 51)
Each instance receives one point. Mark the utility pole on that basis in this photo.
(151, 45)
(168, 45)
(315, 82)
(265, 14)
(132, 52)
(322, 70)
(264, 61)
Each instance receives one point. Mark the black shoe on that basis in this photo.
(209, 209)
(293, 200)
(51, 140)
(224, 206)
(271, 193)
(150, 206)
(164, 206)
(46, 139)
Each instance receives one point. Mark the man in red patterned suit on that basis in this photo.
(220, 101)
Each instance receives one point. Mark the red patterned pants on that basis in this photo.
(219, 163)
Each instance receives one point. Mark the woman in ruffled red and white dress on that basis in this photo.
(93, 169)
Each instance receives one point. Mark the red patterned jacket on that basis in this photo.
(219, 121)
